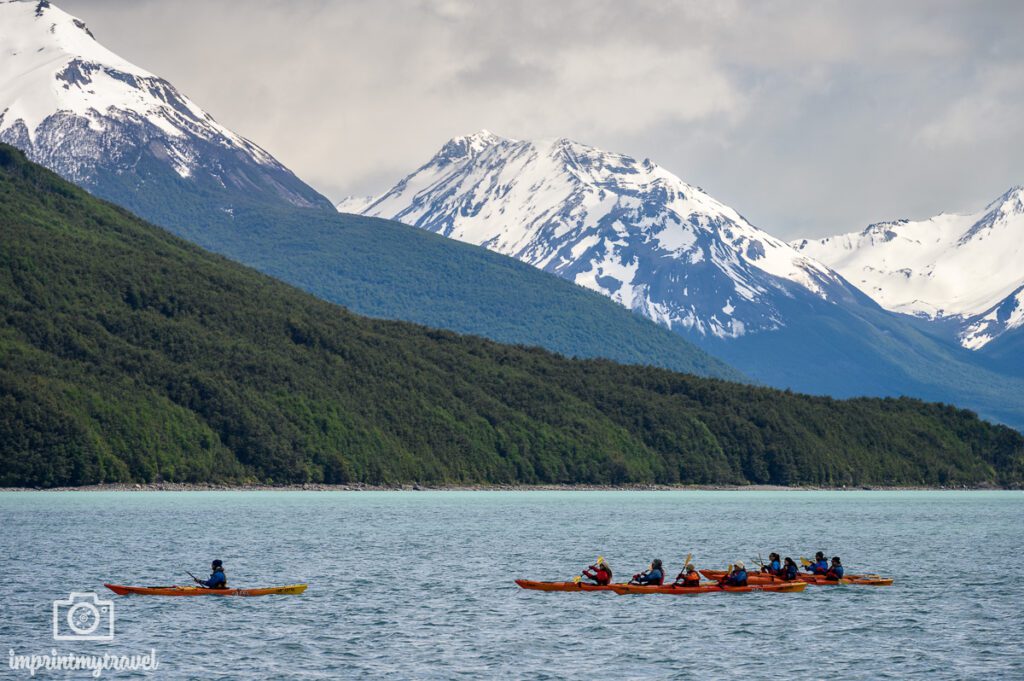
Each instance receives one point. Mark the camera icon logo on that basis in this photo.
(83, 617)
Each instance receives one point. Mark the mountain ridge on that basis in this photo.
(961, 271)
(662, 247)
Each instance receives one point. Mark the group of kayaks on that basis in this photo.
(717, 581)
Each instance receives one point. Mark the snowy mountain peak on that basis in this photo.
(961, 268)
(75, 106)
(624, 227)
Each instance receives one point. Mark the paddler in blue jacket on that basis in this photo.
(836, 571)
(217, 580)
(738, 576)
(774, 566)
(789, 570)
(655, 576)
(819, 566)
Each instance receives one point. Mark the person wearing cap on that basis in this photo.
(689, 577)
(217, 580)
(600, 573)
(819, 566)
(655, 576)
(738, 576)
(789, 570)
(774, 566)
(835, 571)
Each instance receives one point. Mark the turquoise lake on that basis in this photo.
(420, 584)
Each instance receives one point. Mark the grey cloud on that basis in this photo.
(809, 118)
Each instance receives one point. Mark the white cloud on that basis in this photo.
(809, 118)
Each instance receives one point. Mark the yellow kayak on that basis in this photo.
(290, 590)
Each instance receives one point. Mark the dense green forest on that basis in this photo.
(128, 354)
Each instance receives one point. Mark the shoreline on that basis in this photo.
(415, 487)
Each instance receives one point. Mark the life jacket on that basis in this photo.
(789, 573)
(835, 572)
(691, 579)
(820, 568)
(602, 577)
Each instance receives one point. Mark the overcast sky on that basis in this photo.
(810, 118)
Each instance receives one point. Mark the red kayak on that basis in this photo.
(789, 587)
(817, 580)
(560, 586)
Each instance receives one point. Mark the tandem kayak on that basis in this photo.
(818, 580)
(789, 587)
(560, 586)
(290, 590)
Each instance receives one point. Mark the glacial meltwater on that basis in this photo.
(420, 584)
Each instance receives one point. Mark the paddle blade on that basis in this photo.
(804, 561)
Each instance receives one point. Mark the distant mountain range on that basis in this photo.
(130, 137)
(965, 273)
(625, 228)
(635, 232)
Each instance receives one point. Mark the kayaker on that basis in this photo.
(217, 580)
(654, 576)
(689, 577)
(819, 566)
(789, 570)
(600, 573)
(774, 566)
(835, 571)
(738, 576)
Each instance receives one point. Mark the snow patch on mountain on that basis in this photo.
(624, 227)
(960, 268)
(78, 108)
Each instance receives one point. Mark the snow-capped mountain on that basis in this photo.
(104, 123)
(962, 271)
(626, 228)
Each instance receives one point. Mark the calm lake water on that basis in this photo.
(419, 584)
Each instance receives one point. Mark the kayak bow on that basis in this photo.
(290, 590)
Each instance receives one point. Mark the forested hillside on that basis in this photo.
(127, 354)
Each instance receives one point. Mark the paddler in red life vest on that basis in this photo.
(600, 573)
(688, 578)
(819, 566)
(774, 566)
(835, 571)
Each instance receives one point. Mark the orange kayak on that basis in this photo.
(788, 587)
(560, 586)
(818, 580)
(291, 589)
(861, 580)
